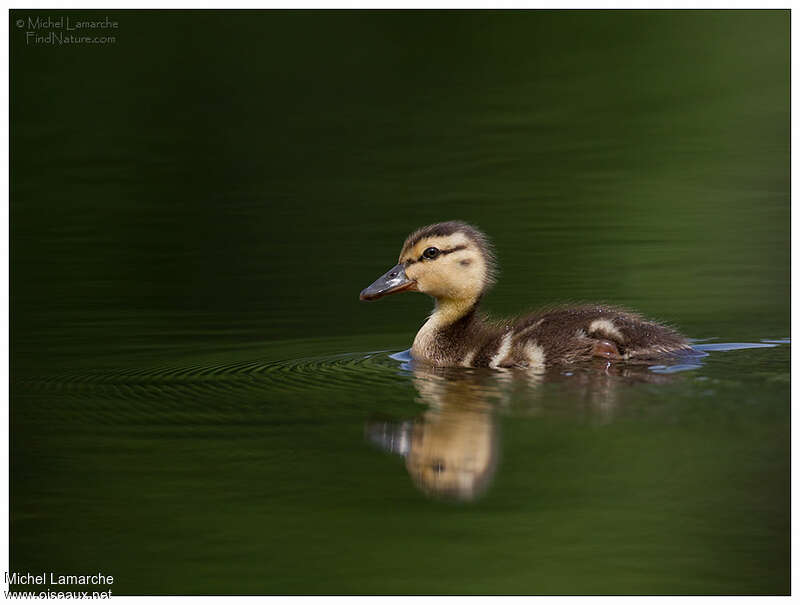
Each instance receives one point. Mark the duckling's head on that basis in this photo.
(450, 261)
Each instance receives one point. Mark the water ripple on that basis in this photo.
(346, 373)
(349, 372)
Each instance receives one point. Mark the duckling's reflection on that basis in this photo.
(452, 450)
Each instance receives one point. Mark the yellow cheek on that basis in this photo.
(413, 272)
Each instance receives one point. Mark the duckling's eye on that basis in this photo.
(431, 252)
(438, 467)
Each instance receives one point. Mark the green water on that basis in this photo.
(201, 405)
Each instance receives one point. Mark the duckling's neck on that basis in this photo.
(449, 310)
(442, 337)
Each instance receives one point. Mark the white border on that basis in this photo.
(363, 4)
(4, 302)
(399, 4)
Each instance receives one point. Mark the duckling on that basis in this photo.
(454, 263)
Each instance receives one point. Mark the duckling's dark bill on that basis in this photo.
(391, 282)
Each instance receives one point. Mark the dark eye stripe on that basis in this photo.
(456, 249)
(441, 253)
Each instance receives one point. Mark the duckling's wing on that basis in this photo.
(568, 334)
(637, 337)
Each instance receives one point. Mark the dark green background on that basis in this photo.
(216, 187)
